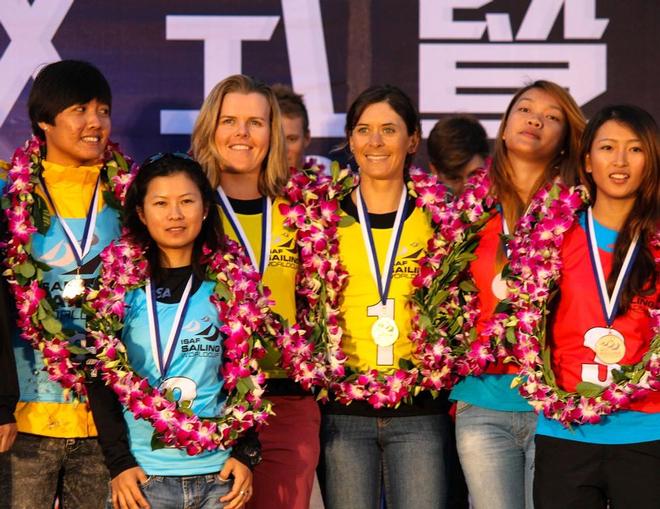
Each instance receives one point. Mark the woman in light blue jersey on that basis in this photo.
(167, 215)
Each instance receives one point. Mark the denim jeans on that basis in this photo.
(496, 450)
(403, 454)
(29, 473)
(191, 492)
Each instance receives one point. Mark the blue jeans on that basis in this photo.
(403, 454)
(191, 492)
(31, 470)
(496, 450)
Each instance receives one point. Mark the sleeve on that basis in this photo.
(9, 390)
(247, 449)
(111, 427)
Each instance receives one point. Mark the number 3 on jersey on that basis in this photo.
(384, 354)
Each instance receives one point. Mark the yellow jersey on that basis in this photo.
(280, 272)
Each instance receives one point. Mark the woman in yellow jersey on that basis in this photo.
(69, 107)
(369, 447)
(538, 140)
(238, 141)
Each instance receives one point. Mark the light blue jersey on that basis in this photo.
(54, 250)
(193, 375)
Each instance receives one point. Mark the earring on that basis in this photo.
(562, 152)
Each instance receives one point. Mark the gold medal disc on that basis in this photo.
(610, 348)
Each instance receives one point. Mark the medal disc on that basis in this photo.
(384, 331)
(73, 288)
(610, 348)
(499, 288)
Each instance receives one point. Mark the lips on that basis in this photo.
(377, 157)
(240, 147)
(531, 134)
(619, 176)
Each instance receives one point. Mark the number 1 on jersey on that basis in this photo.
(384, 354)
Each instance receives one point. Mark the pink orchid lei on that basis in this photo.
(444, 299)
(535, 272)
(27, 214)
(242, 304)
(311, 350)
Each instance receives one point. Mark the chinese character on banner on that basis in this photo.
(457, 75)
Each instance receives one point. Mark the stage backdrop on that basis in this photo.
(162, 56)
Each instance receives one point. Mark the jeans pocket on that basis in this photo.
(150, 480)
(462, 406)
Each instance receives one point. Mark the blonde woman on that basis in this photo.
(238, 140)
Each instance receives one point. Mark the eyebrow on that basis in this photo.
(250, 118)
(385, 124)
(180, 196)
(532, 100)
(631, 140)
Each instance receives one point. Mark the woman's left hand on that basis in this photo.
(241, 491)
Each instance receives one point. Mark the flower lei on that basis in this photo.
(311, 350)
(242, 305)
(27, 213)
(444, 299)
(536, 270)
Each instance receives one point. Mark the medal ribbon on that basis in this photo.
(505, 232)
(610, 304)
(383, 279)
(266, 229)
(79, 249)
(164, 359)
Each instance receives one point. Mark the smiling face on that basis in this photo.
(242, 137)
(616, 162)
(380, 142)
(173, 212)
(79, 134)
(535, 127)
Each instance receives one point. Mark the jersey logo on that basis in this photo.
(202, 340)
(284, 253)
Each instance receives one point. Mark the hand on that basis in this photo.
(241, 491)
(126, 492)
(7, 436)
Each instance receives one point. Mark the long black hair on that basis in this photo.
(163, 165)
(644, 217)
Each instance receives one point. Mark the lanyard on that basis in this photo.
(79, 249)
(610, 304)
(164, 359)
(383, 279)
(266, 229)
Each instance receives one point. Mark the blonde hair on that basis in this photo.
(274, 170)
(565, 162)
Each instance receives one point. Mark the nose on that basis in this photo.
(241, 129)
(175, 212)
(93, 118)
(621, 157)
(376, 139)
(534, 121)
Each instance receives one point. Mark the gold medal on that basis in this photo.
(499, 287)
(384, 331)
(610, 348)
(74, 288)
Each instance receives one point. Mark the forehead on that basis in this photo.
(252, 104)
(613, 129)
(539, 98)
(292, 124)
(380, 113)
(175, 184)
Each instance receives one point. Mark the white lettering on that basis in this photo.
(436, 20)
(308, 60)
(223, 37)
(30, 29)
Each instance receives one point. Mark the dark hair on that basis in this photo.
(291, 104)
(63, 84)
(645, 214)
(454, 141)
(398, 101)
(164, 165)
